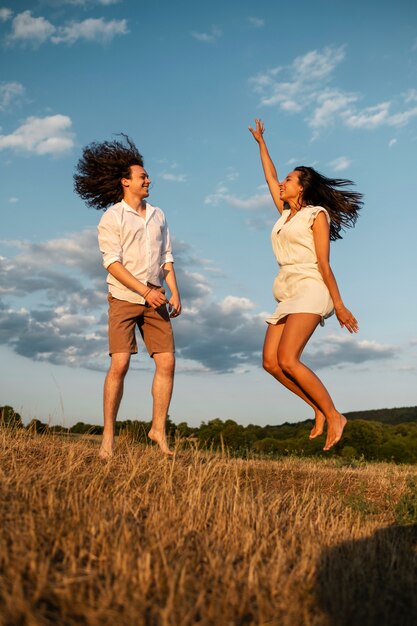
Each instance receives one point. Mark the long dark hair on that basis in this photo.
(100, 170)
(343, 206)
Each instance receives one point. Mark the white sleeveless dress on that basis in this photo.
(299, 286)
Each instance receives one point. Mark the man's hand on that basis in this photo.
(174, 306)
(156, 298)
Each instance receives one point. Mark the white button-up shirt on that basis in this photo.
(141, 244)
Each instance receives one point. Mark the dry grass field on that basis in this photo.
(201, 539)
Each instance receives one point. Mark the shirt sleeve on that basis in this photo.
(166, 249)
(314, 212)
(109, 239)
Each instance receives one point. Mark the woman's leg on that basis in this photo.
(297, 331)
(270, 363)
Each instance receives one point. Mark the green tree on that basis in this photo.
(349, 452)
(80, 428)
(366, 437)
(210, 433)
(269, 445)
(183, 430)
(397, 450)
(9, 418)
(57, 429)
(38, 427)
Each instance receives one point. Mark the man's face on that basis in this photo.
(138, 183)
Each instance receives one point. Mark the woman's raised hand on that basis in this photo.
(258, 131)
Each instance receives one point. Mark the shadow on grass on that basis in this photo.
(371, 582)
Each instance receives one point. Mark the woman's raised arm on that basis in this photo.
(270, 172)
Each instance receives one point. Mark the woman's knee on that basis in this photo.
(287, 363)
(270, 366)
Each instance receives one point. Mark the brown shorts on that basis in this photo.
(154, 326)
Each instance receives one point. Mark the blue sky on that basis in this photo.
(336, 85)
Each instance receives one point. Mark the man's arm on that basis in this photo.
(174, 305)
(167, 264)
(153, 297)
(110, 247)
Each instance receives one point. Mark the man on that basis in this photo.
(135, 243)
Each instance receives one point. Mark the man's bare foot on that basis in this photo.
(106, 448)
(161, 440)
(318, 427)
(335, 426)
(106, 452)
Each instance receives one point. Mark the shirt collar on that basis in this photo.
(149, 209)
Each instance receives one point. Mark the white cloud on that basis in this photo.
(9, 94)
(303, 76)
(37, 135)
(86, 2)
(232, 303)
(253, 202)
(13, 200)
(339, 350)
(64, 318)
(401, 119)
(5, 14)
(392, 142)
(370, 117)
(328, 105)
(210, 37)
(303, 86)
(175, 178)
(410, 96)
(91, 30)
(316, 65)
(232, 174)
(259, 208)
(222, 195)
(340, 164)
(35, 30)
(38, 30)
(291, 106)
(378, 115)
(257, 22)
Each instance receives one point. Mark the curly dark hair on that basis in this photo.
(343, 206)
(99, 171)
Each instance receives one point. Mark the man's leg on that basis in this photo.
(161, 392)
(113, 392)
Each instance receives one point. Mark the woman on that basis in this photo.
(313, 211)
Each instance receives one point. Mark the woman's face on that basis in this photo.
(290, 188)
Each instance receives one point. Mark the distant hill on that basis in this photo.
(401, 415)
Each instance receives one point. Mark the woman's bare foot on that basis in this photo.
(335, 426)
(161, 440)
(318, 427)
